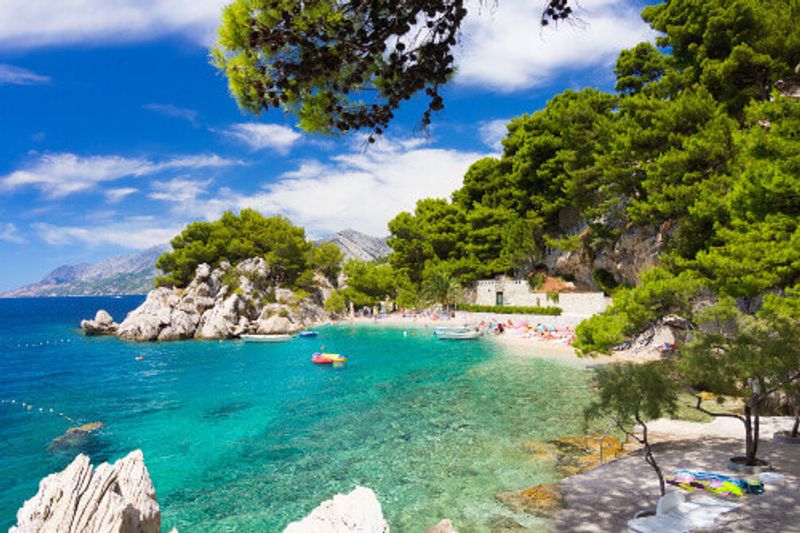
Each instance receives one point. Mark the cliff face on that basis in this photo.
(121, 274)
(635, 251)
(218, 304)
(111, 498)
(357, 245)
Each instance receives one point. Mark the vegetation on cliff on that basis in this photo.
(233, 238)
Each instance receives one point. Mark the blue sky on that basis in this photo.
(115, 131)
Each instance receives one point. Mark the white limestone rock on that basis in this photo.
(103, 324)
(221, 321)
(117, 498)
(357, 512)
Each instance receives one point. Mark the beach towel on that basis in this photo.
(715, 483)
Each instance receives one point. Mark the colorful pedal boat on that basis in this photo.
(327, 358)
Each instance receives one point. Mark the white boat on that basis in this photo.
(266, 338)
(459, 336)
(455, 329)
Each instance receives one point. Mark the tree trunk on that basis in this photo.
(651, 460)
(796, 427)
(748, 436)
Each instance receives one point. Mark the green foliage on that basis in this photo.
(536, 280)
(440, 286)
(661, 293)
(326, 258)
(605, 280)
(746, 356)
(511, 309)
(234, 238)
(638, 67)
(369, 283)
(635, 393)
(336, 302)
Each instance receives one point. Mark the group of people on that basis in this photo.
(538, 331)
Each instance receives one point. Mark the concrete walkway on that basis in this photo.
(604, 499)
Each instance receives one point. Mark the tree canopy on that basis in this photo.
(234, 238)
(343, 65)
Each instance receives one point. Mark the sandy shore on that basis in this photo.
(512, 342)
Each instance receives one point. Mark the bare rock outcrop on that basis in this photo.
(357, 512)
(103, 324)
(117, 498)
(223, 303)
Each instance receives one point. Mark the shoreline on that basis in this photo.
(511, 342)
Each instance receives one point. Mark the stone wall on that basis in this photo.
(518, 293)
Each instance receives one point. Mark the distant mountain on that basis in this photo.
(120, 274)
(355, 244)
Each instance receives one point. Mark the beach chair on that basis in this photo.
(674, 514)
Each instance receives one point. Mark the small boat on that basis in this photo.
(459, 336)
(445, 330)
(266, 338)
(327, 358)
(308, 333)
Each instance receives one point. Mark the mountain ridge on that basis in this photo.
(135, 273)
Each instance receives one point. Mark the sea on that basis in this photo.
(250, 437)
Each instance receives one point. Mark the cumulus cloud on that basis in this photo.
(8, 233)
(173, 111)
(262, 136)
(61, 174)
(506, 49)
(133, 233)
(36, 23)
(11, 75)
(359, 189)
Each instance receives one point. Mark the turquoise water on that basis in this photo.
(248, 437)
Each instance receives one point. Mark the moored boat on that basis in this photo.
(308, 333)
(459, 336)
(283, 337)
(443, 330)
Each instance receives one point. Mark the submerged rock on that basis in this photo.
(540, 500)
(77, 435)
(445, 526)
(103, 324)
(117, 498)
(357, 512)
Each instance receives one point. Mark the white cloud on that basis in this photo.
(129, 233)
(506, 49)
(179, 190)
(59, 175)
(8, 233)
(260, 136)
(492, 132)
(362, 190)
(36, 23)
(174, 112)
(116, 195)
(11, 75)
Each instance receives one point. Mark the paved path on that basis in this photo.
(604, 499)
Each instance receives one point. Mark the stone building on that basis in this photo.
(509, 292)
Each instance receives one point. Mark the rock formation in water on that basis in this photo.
(76, 436)
(102, 324)
(221, 303)
(117, 498)
(357, 512)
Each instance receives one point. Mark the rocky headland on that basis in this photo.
(220, 303)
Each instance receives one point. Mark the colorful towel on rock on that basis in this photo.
(715, 483)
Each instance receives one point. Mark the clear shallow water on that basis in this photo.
(248, 437)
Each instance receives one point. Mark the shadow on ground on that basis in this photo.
(604, 499)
